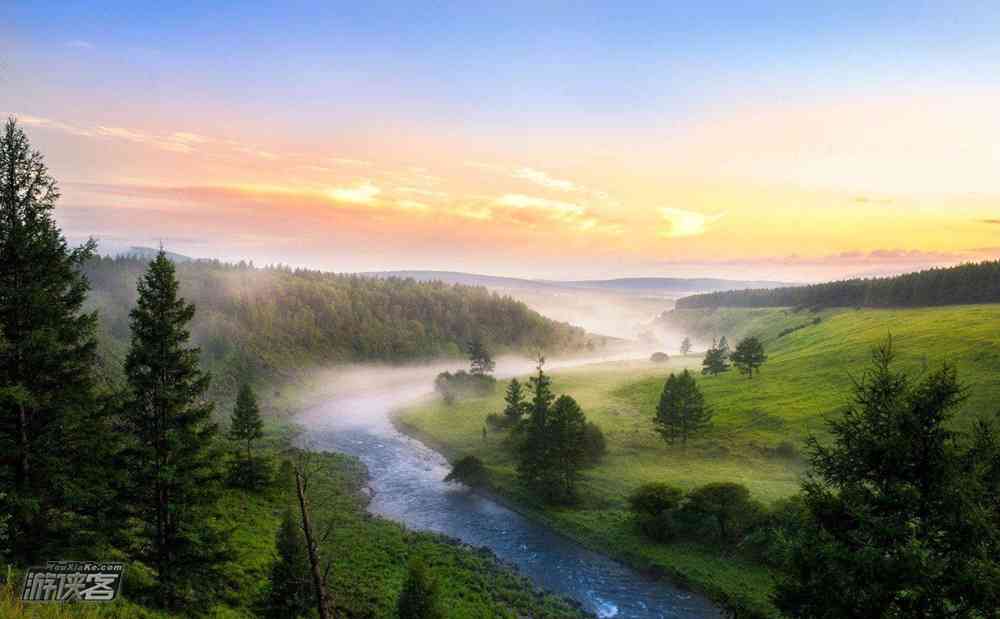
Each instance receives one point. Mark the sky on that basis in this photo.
(780, 140)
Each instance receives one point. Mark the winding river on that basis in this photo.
(406, 477)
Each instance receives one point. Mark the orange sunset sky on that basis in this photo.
(787, 143)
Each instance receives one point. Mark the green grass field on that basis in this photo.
(807, 378)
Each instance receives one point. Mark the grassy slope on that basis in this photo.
(807, 377)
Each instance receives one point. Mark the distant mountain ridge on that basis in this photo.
(633, 285)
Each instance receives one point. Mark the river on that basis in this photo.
(406, 477)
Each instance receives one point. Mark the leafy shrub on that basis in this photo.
(470, 471)
(655, 497)
(462, 384)
(659, 357)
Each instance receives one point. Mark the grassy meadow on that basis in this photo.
(758, 427)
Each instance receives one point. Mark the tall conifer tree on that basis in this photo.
(172, 481)
(46, 382)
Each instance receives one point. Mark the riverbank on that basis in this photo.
(601, 521)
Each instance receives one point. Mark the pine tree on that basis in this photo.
(480, 360)
(172, 481)
(715, 361)
(532, 448)
(291, 593)
(686, 346)
(902, 510)
(516, 406)
(247, 427)
(749, 356)
(682, 410)
(421, 595)
(49, 421)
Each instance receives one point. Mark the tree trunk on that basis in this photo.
(322, 603)
(23, 463)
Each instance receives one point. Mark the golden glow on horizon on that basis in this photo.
(902, 180)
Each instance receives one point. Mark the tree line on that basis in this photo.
(264, 323)
(967, 283)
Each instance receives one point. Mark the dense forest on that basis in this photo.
(967, 283)
(257, 323)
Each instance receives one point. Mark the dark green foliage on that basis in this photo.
(967, 283)
(682, 410)
(172, 477)
(245, 429)
(748, 356)
(728, 503)
(659, 357)
(655, 497)
(51, 430)
(262, 324)
(462, 384)
(516, 406)
(558, 451)
(902, 513)
(595, 446)
(716, 359)
(550, 443)
(421, 596)
(290, 588)
(469, 471)
(480, 360)
(685, 345)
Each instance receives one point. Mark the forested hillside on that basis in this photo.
(968, 283)
(269, 322)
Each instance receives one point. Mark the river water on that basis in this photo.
(406, 477)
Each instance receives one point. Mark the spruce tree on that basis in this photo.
(682, 410)
(530, 440)
(291, 593)
(245, 429)
(686, 346)
(49, 424)
(516, 406)
(421, 595)
(172, 482)
(480, 361)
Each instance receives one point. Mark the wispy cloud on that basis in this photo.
(541, 178)
(412, 205)
(79, 44)
(364, 193)
(558, 209)
(427, 193)
(681, 223)
(351, 162)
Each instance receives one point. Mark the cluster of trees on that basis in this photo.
(550, 437)
(554, 441)
(748, 357)
(967, 283)
(261, 323)
(723, 510)
(898, 514)
(478, 381)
